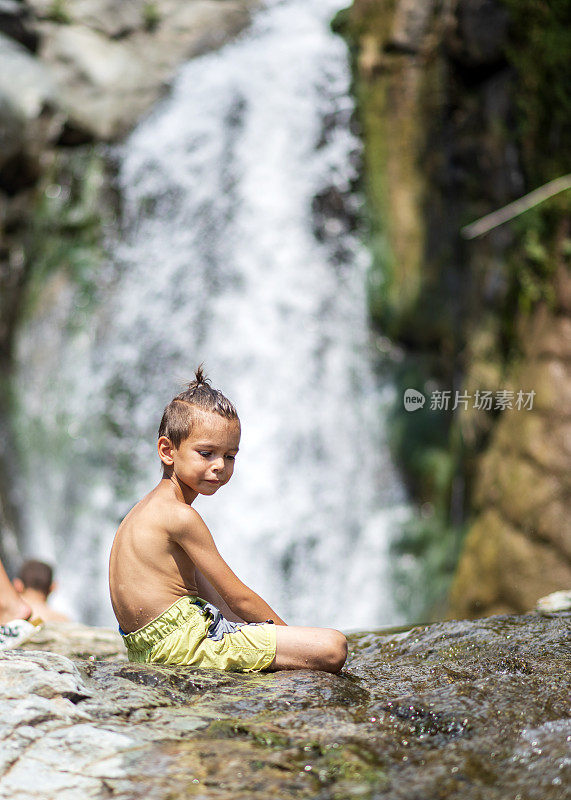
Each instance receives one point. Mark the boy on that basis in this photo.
(163, 553)
(35, 583)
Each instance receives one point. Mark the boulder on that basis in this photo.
(24, 81)
(105, 85)
(112, 60)
(113, 18)
(457, 709)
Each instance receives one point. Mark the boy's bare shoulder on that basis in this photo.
(184, 519)
(160, 512)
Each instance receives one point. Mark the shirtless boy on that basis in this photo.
(176, 599)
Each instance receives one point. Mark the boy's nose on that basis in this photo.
(218, 465)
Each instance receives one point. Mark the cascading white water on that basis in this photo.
(236, 250)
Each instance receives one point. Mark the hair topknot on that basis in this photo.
(178, 417)
(199, 377)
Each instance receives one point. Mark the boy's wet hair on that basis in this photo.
(178, 417)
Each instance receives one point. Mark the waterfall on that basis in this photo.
(238, 249)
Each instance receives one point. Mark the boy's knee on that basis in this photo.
(336, 651)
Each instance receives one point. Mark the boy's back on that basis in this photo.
(148, 571)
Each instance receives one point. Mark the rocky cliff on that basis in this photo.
(519, 546)
(456, 102)
(453, 710)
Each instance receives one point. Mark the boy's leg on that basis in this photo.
(11, 604)
(14, 629)
(309, 648)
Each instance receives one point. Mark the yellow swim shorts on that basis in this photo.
(194, 632)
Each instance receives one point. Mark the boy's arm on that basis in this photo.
(207, 591)
(197, 542)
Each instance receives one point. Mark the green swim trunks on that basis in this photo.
(194, 632)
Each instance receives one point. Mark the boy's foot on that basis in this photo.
(14, 633)
(13, 607)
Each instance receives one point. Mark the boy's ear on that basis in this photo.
(165, 450)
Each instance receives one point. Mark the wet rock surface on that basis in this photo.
(456, 709)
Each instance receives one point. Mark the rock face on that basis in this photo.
(520, 545)
(453, 710)
(440, 97)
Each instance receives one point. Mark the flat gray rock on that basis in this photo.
(78, 641)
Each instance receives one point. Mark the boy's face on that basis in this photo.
(205, 460)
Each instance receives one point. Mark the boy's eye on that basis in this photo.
(231, 458)
(204, 453)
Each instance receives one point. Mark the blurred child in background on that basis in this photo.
(35, 583)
